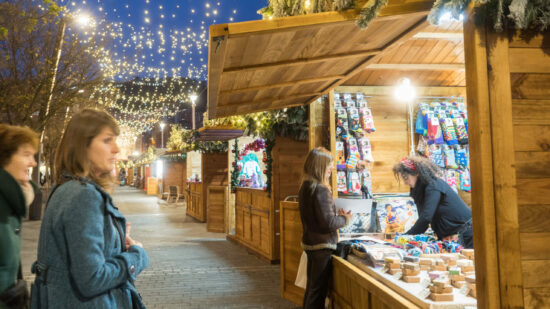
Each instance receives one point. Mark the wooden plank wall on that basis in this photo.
(288, 162)
(173, 175)
(530, 89)
(214, 173)
(291, 251)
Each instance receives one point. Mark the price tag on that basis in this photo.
(464, 290)
(424, 293)
(425, 282)
(397, 276)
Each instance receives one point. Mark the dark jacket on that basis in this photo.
(319, 219)
(12, 209)
(439, 205)
(81, 247)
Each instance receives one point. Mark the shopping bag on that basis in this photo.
(301, 276)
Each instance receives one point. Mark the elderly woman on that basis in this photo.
(86, 258)
(17, 148)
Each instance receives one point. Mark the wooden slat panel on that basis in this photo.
(530, 86)
(531, 112)
(529, 60)
(534, 246)
(215, 211)
(532, 137)
(537, 297)
(535, 273)
(534, 191)
(530, 40)
(532, 164)
(483, 204)
(534, 218)
(291, 251)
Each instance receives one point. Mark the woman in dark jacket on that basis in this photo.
(438, 204)
(17, 148)
(86, 259)
(320, 224)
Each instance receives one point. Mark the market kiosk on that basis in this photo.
(257, 211)
(507, 79)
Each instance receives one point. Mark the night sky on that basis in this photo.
(158, 38)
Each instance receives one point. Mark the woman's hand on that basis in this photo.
(130, 242)
(348, 215)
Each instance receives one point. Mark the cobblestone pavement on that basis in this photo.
(190, 268)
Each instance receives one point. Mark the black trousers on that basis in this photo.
(319, 273)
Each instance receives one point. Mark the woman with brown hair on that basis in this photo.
(438, 204)
(320, 225)
(18, 146)
(86, 259)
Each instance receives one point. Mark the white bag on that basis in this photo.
(301, 276)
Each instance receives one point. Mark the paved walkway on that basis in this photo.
(190, 268)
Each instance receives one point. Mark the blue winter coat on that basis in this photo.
(81, 263)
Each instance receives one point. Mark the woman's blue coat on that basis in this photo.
(81, 263)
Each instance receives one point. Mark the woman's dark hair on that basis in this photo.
(419, 166)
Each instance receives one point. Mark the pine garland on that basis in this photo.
(235, 171)
(500, 14)
(269, 144)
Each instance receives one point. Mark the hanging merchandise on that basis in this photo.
(465, 183)
(450, 161)
(354, 121)
(421, 126)
(448, 128)
(422, 146)
(365, 149)
(460, 127)
(461, 156)
(348, 100)
(340, 156)
(434, 131)
(337, 101)
(354, 183)
(452, 179)
(436, 155)
(353, 153)
(366, 183)
(342, 127)
(367, 122)
(341, 182)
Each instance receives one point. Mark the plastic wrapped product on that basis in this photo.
(342, 126)
(367, 121)
(449, 132)
(450, 161)
(354, 183)
(354, 121)
(340, 156)
(465, 183)
(365, 149)
(341, 182)
(353, 153)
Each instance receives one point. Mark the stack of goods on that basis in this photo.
(354, 122)
(471, 285)
(443, 130)
(440, 290)
(411, 269)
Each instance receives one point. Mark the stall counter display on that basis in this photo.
(445, 279)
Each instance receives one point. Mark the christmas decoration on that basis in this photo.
(235, 170)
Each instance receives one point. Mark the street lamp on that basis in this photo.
(404, 92)
(162, 124)
(193, 98)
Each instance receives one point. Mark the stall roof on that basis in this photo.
(219, 133)
(271, 64)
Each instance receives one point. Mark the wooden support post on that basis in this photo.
(504, 171)
(483, 204)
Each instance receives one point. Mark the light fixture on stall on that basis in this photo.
(404, 92)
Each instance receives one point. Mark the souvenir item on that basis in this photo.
(353, 153)
(464, 177)
(342, 127)
(367, 122)
(450, 161)
(449, 132)
(354, 183)
(354, 121)
(340, 156)
(451, 178)
(341, 182)
(365, 149)
(396, 214)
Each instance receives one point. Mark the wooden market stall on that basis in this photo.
(215, 175)
(270, 64)
(174, 171)
(257, 211)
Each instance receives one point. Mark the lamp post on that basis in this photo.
(193, 98)
(162, 124)
(404, 92)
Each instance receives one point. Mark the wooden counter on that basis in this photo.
(255, 223)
